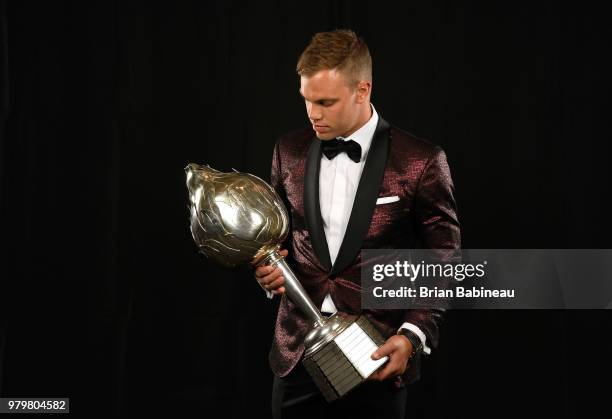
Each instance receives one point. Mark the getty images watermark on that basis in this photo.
(449, 271)
(487, 278)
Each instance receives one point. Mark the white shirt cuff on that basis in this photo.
(268, 293)
(415, 329)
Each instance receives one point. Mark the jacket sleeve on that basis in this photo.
(276, 180)
(437, 226)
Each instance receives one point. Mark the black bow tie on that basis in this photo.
(331, 148)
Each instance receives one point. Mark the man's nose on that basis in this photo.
(314, 113)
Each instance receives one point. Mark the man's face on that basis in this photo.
(334, 109)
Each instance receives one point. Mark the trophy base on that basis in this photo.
(340, 360)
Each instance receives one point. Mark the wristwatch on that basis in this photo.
(417, 345)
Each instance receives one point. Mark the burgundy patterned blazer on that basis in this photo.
(425, 216)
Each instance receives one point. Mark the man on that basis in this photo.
(352, 181)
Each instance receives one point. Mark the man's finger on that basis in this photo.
(390, 369)
(262, 271)
(387, 372)
(275, 284)
(266, 280)
(384, 350)
(377, 375)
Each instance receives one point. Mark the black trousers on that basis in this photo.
(297, 396)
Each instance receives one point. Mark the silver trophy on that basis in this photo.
(237, 218)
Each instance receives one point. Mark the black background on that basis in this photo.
(103, 296)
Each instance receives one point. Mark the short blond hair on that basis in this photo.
(342, 50)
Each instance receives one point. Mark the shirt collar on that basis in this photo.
(363, 136)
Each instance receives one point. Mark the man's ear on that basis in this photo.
(363, 90)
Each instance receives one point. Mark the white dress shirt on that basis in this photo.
(338, 182)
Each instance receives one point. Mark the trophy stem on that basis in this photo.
(295, 291)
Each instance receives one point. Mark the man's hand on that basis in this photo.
(398, 348)
(271, 278)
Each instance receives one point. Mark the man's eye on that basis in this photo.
(326, 103)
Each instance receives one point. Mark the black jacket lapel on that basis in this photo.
(365, 198)
(312, 209)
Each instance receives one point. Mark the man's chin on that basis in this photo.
(325, 136)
